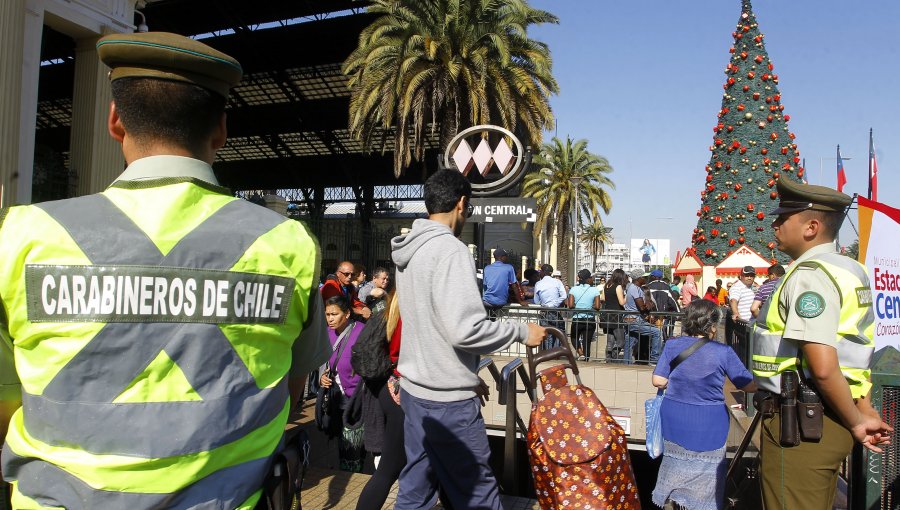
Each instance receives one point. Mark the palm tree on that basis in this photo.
(553, 187)
(446, 65)
(595, 235)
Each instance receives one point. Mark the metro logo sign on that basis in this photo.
(497, 162)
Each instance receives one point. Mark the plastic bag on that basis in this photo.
(654, 425)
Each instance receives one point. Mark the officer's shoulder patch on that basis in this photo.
(810, 304)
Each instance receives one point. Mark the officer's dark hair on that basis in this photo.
(777, 270)
(830, 221)
(340, 301)
(444, 189)
(700, 317)
(172, 111)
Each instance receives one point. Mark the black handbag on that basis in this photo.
(369, 356)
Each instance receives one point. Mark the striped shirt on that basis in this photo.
(744, 297)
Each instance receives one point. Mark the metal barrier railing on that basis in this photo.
(738, 336)
(507, 389)
(618, 336)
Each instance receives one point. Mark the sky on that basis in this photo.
(641, 80)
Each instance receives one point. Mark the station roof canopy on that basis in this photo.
(287, 119)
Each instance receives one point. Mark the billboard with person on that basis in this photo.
(650, 252)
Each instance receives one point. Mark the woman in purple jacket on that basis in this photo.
(343, 333)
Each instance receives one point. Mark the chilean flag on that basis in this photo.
(873, 170)
(841, 176)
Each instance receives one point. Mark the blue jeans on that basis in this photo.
(446, 443)
(635, 330)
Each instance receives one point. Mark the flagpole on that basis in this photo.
(837, 162)
(871, 152)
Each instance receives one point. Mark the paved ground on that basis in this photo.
(326, 487)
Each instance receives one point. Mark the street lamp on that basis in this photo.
(576, 180)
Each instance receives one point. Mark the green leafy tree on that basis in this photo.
(595, 235)
(445, 65)
(554, 188)
(752, 148)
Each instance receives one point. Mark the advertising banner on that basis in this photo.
(879, 230)
(650, 252)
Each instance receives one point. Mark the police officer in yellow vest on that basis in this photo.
(821, 314)
(161, 329)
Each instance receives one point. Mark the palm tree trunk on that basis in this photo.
(562, 247)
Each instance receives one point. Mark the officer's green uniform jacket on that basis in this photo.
(154, 327)
(823, 298)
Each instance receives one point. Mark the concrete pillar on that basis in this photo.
(94, 156)
(21, 27)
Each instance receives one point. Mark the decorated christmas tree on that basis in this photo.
(752, 148)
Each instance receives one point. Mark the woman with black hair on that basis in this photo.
(694, 416)
(614, 299)
(343, 333)
(583, 296)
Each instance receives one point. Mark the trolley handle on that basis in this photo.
(562, 351)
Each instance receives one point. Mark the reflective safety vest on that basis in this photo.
(152, 326)
(772, 355)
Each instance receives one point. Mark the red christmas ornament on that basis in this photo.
(774, 136)
(784, 150)
(758, 59)
(777, 97)
(709, 252)
(717, 219)
(729, 129)
(718, 141)
(766, 161)
(741, 229)
(731, 50)
(731, 242)
(709, 178)
(770, 118)
(737, 187)
(705, 209)
(746, 88)
(740, 107)
(743, 150)
(787, 118)
(771, 246)
(760, 216)
(771, 182)
(771, 66)
(764, 151)
(714, 232)
(756, 95)
(744, 54)
(791, 136)
(796, 159)
(800, 173)
(735, 144)
(751, 74)
(719, 164)
(776, 175)
(750, 208)
(764, 77)
(773, 195)
(758, 39)
(730, 82)
(768, 99)
(741, 239)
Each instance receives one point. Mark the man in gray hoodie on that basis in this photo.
(445, 330)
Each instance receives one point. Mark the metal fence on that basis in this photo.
(614, 336)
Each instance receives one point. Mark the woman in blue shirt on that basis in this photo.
(694, 417)
(583, 296)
